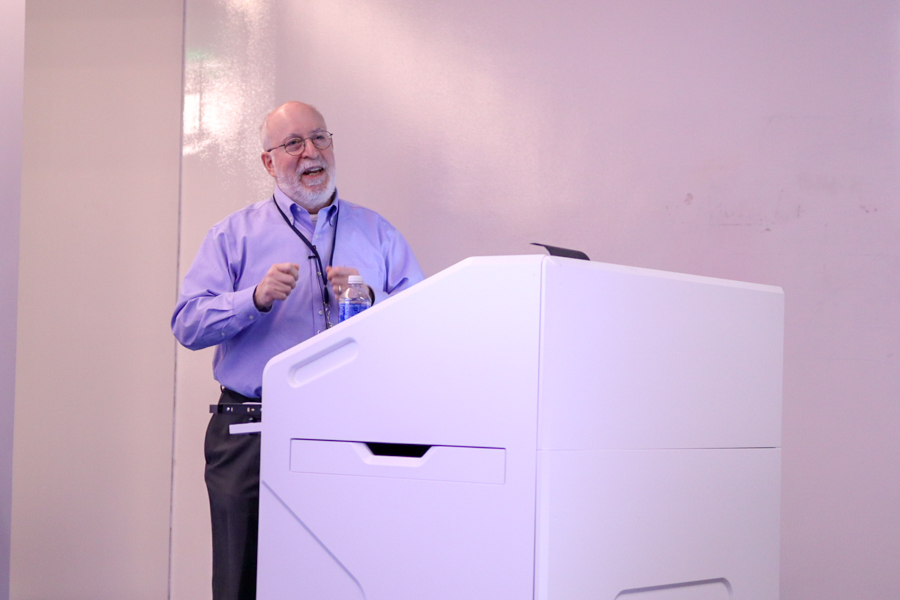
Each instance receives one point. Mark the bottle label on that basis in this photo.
(349, 309)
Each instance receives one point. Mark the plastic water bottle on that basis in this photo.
(355, 298)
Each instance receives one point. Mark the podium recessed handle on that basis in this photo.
(407, 450)
(467, 464)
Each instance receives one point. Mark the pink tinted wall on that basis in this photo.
(98, 242)
(751, 140)
(12, 61)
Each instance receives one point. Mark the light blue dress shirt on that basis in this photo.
(215, 306)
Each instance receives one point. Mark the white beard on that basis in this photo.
(311, 200)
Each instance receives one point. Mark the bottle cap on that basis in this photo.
(354, 279)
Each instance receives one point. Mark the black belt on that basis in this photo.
(233, 403)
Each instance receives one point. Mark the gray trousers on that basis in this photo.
(232, 480)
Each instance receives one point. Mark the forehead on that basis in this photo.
(295, 119)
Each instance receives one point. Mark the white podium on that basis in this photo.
(530, 427)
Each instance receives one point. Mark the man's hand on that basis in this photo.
(338, 277)
(276, 285)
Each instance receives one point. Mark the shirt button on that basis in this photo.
(252, 317)
(320, 312)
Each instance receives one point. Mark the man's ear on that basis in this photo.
(267, 163)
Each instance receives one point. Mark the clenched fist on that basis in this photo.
(338, 277)
(276, 285)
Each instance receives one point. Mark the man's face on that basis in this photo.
(308, 178)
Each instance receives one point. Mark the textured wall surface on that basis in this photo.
(99, 235)
(750, 140)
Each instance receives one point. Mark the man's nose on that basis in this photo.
(309, 149)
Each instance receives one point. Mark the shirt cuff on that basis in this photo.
(245, 308)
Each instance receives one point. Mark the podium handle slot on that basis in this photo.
(407, 450)
(469, 464)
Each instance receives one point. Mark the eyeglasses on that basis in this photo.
(295, 146)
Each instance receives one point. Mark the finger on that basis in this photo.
(285, 285)
(343, 272)
(279, 281)
(284, 279)
(287, 268)
(281, 292)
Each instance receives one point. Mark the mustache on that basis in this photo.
(311, 164)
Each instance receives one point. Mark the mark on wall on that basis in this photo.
(734, 210)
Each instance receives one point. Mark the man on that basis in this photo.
(265, 279)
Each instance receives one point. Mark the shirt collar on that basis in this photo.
(289, 207)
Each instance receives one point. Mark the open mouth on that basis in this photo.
(313, 175)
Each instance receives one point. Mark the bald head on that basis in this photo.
(286, 113)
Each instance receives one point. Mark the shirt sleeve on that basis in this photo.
(401, 267)
(209, 309)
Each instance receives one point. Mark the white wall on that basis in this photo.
(749, 140)
(12, 50)
(99, 236)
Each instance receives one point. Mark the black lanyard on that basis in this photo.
(315, 253)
